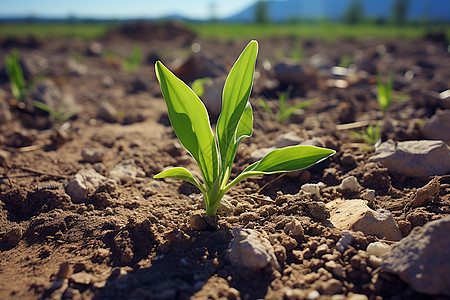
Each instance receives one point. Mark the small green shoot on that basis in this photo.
(384, 95)
(131, 63)
(19, 87)
(284, 112)
(198, 86)
(215, 152)
(58, 114)
(371, 136)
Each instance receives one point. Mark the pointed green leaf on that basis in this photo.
(190, 121)
(180, 173)
(236, 93)
(285, 160)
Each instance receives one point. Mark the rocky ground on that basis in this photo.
(81, 216)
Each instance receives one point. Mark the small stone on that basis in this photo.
(287, 139)
(345, 240)
(368, 195)
(126, 171)
(378, 248)
(318, 210)
(322, 249)
(438, 127)
(422, 259)
(82, 278)
(426, 194)
(295, 229)
(92, 155)
(312, 188)
(107, 112)
(357, 216)
(250, 250)
(350, 184)
(374, 261)
(260, 153)
(197, 222)
(414, 158)
(313, 295)
(84, 181)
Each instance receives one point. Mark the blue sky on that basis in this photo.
(121, 8)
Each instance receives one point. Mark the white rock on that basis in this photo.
(438, 127)
(287, 139)
(357, 216)
(249, 249)
(414, 158)
(312, 188)
(84, 181)
(422, 258)
(126, 171)
(378, 248)
(350, 184)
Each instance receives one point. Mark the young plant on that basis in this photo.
(19, 87)
(284, 112)
(371, 136)
(135, 59)
(59, 114)
(384, 95)
(215, 153)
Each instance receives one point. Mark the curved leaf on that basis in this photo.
(285, 160)
(190, 121)
(236, 93)
(180, 173)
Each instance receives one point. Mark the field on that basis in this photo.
(81, 216)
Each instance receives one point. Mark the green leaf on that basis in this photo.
(180, 173)
(236, 93)
(285, 160)
(190, 121)
(290, 110)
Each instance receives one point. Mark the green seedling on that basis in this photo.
(58, 114)
(284, 112)
(135, 59)
(198, 86)
(215, 153)
(20, 88)
(371, 136)
(384, 95)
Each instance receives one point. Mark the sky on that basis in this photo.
(198, 9)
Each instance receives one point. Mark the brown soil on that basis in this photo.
(134, 240)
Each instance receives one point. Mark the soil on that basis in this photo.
(135, 239)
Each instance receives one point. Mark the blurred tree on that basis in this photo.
(400, 11)
(354, 13)
(261, 12)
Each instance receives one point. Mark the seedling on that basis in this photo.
(198, 86)
(58, 114)
(384, 95)
(284, 112)
(20, 88)
(371, 136)
(135, 59)
(215, 153)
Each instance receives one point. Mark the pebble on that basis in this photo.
(107, 112)
(438, 127)
(414, 158)
(378, 248)
(345, 240)
(126, 171)
(368, 195)
(311, 188)
(197, 222)
(357, 216)
(65, 271)
(287, 139)
(295, 229)
(83, 181)
(249, 249)
(92, 155)
(318, 210)
(422, 259)
(350, 184)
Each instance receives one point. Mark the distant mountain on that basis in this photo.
(284, 10)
